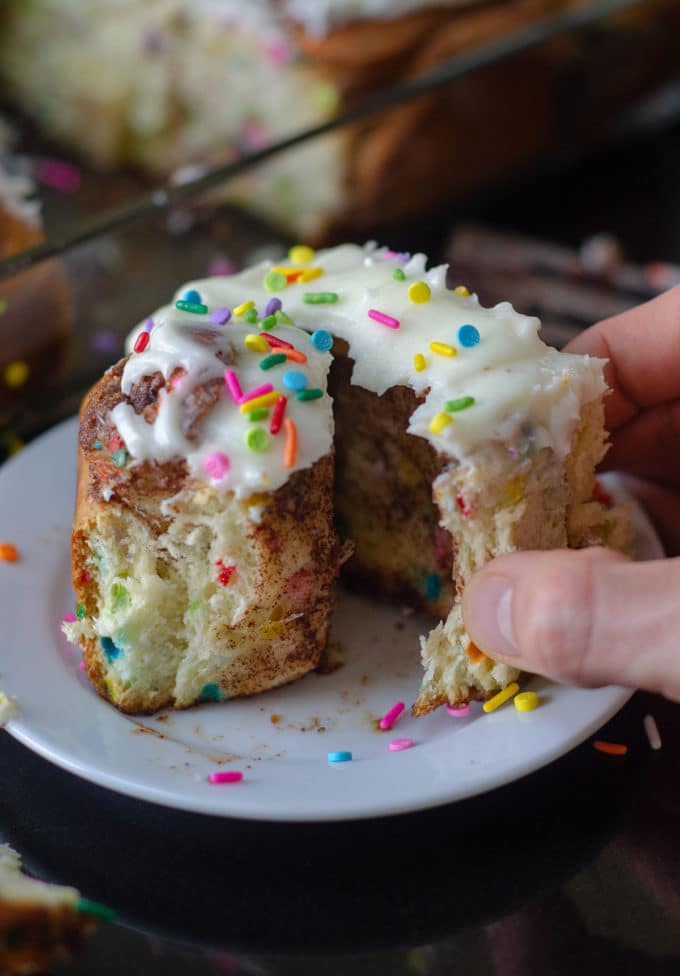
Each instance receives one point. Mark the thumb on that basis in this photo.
(588, 617)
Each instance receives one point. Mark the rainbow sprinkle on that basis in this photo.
(312, 394)
(233, 385)
(419, 362)
(322, 340)
(320, 297)
(462, 403)
(443, 349)
(290, 449)
(439, 422)
(243, 308)
(468, 336)
(220, 316)
(225, 776)
(258, 392)
(275, 281)
(419, 292)
(275, 359)
(277, 415)
(256, 343)
(196, 308)
(384, 319)
(301, 254)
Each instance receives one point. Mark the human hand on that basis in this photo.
(592, 617)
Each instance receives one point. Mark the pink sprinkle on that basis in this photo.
(257, 392)
(388, 720)
(275, 342)
(387, 320)
(57, 174)
(398, 745)
(216, 465)
(82, 667)
(231, 379)
(232, 776)
(70, 618)
(221, 266)
(458, 712)
(278, 52)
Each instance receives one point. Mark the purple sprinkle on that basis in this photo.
(152, 41)
(220, 316)
(272, 306)
(70, 618)
(220, 266)
(104, 342)
(148, 325)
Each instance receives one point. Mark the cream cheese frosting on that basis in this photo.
(484, 375)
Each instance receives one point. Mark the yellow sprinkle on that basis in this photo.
(265, 400)
(419, 292)
(256, 343)
(242, 309)
(419, 362)
(16, 373)
(439, 422)
(526, 701)
(462, 291)
(309, 274)
(301, 254)
(443, 349)
(500, 699)
(272, 630)
(514, 489)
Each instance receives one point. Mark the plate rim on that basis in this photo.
(203, 803)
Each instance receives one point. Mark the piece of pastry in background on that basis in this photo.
(203, 546)
(40, 923)
(165, 83)
(35, 310)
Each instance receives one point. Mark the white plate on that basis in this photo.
(280, 740)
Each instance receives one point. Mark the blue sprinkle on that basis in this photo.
(433, 586)
(272, 307)
(211, 693)
(97, 445)
(322, 340)
(294, 380)
(334, 757)
(468, 335)
(111, 650)
(191, 295)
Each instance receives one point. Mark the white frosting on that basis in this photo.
(22, 890)
(183, 340)
(526, 394)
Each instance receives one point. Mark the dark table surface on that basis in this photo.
(574, 868)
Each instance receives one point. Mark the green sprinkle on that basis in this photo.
(251, 316)
(326, 96)
(269, 322)
(261, 413)
(275, 281)
(398, 275)
(86, 907)
(282, 318)
(119, 457)
(120, 596)
(196, 307)
(193, 607)
(211, 693)
(80, 612)
(257, 439)
(275, 359)
(320, 297)
(312, 394)
(4, 305)
(462, 403)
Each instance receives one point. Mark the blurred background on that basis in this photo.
(545, 172)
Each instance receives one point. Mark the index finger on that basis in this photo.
(643, 349)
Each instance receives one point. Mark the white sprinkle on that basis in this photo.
(652, 730)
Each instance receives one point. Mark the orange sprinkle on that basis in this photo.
(474, 653)
(611, 748)
(8, 552)
(290, 450)
(295, 355)
(292, 276)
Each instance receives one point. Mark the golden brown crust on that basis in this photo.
(31, 936)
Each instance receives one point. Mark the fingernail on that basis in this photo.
(488, 615)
